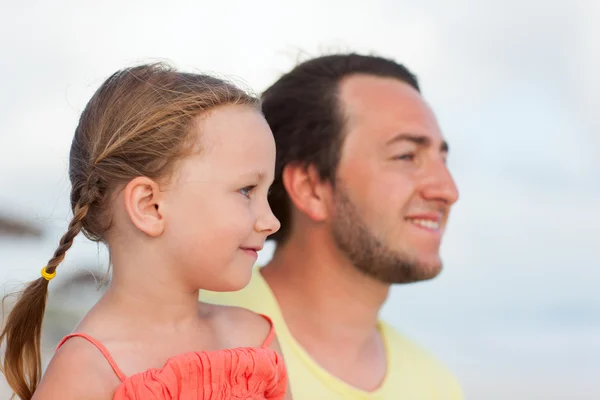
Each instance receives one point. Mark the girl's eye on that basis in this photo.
(247, 190)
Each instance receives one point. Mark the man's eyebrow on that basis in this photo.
(419, 140)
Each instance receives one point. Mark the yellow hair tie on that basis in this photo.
(48, 276)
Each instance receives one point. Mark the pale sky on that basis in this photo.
(515, 87)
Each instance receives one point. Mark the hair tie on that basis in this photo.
(46, 275)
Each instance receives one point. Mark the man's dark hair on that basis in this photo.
(304, 113)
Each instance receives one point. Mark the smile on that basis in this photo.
(426, 223)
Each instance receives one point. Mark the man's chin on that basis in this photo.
(417, 271)
(429, 272)
(427, 267)
(402, 273)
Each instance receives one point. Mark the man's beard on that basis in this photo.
(367, 252)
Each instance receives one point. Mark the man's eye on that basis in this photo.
(405, 157)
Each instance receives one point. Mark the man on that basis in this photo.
(363, 195)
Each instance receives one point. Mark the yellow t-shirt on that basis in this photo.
(412, 373)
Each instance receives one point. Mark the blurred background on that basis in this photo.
(516, 312)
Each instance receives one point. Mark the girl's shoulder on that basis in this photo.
(239, 327)
(76, 371)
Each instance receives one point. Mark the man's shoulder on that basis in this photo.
(405, 353)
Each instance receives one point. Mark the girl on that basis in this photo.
(171, 170)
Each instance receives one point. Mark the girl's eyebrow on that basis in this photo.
(258, 175)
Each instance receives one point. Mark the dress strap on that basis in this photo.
(271, 336)
(100, 347)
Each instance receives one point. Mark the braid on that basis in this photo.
(22, 365)
(66, 241)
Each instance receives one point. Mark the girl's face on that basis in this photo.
(218, 215)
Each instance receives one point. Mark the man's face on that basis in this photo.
(393, 191)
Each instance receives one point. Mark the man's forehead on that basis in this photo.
(385, 107)
(367, 89)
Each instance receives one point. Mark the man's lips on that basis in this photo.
(430, 221)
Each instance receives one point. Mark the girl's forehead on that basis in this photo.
(235, 134)
(236, 154)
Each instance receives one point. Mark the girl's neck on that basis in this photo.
(147, 287)
(156, 303)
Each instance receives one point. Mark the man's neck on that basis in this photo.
(320, 291)
(331, 309)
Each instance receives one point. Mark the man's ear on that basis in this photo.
(143, 197)
(307, 191)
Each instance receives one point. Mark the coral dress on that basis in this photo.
(249, 373)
